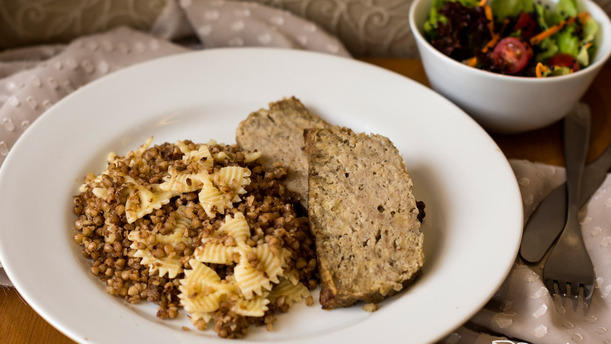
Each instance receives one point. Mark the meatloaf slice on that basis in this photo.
(363, 213)
(278, 134)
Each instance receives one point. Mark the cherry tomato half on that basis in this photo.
(511, 55)
(526, 24)
(563, 60)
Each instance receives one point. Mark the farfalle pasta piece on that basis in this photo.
(236, 227)
(200, 319)
(183, 147)
(250, 280)
(180, 226)
(138, 152)
(213, 200)
(170, 264)
(255, 307)
(178, 183)
(111, 157)
(199, 290)
(142, 201)
(98, 189)
(292, 276)
(216, 253)
(200, 155)
(271, 264)
(293, 293)
(257, 279)
(101, 193)
(221, 156)
(251, 156)
(202, 290)
(235, 178)
(95, 182)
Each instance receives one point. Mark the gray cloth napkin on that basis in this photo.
(32, 79)
(523, 308)
(35, 78)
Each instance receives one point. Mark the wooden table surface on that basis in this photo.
(20, 324)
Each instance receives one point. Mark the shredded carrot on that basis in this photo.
(540, 69)
(588, 45)
(491, 43)
(482, 3)
(551, 31)
(543, 35)
(495, 37)
(471, 62)
(583, 17)
(488, 12)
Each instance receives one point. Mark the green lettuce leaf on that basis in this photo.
(517, 34)
(508, 8)
(469, 3)
(568, 42)
(546, 73)
(430, 25)
(548, 48)
(590, 29)
(434, 18)
(545, 17)
(583, 57)
(558, 70)
(566, 8)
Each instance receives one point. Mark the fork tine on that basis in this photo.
(562, 288)
(584, 300)
(549, 284)
(573, 294)
(570, 290)
(588, 290)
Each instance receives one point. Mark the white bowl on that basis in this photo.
(502, 103)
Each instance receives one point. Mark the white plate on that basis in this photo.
(474, 212)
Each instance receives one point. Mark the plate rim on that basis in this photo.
(44, 118)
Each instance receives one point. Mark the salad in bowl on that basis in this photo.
(513, 37)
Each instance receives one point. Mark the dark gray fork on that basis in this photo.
(568, 267)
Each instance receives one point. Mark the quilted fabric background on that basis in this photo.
(366, 27)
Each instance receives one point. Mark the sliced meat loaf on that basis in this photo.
(363, 213)
(278, 134)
